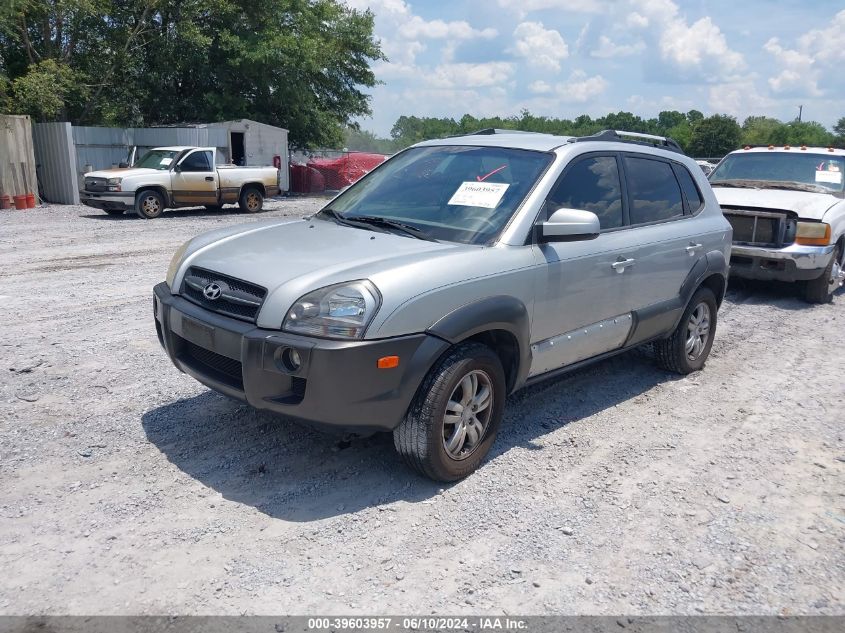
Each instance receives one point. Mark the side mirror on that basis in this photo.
(569, 225)
(123, 164)
(177, 169)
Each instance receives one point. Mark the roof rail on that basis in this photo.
(491, 130)
(642, 139)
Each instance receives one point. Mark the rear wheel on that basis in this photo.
(821, 290)
(687, 349)
(149, 204)
(456, 414)
(251, 200)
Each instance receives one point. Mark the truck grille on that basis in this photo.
(234, 298)
(96, 184)
(221, 368)
(760, 228)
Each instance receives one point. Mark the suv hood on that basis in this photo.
(806, 204)
(291, 259)
(121, 172)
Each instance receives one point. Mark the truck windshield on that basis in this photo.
(820, 172)
(453, 193)
(157, 159)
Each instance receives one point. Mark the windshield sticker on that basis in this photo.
(479, 194)
(166, 161)
(833, 177)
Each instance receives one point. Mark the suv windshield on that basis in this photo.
(453, 193)
(157, 159)
(819, 172)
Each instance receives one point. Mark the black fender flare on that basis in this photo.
(501, 312)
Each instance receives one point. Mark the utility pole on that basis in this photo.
(800, 110)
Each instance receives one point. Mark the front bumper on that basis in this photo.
(337, 386)
(791, 263)
(124, 200)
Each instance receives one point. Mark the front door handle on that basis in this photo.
(692, 248)
(621, 264)
(209, 178)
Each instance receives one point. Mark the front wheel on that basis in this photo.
(687, 349)
(821, 290)
(251, 200)
(149, 204)
(456, 414)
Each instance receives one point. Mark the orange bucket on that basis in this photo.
(20, 202)
(30, 201)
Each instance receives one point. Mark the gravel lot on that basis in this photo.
(129, 488)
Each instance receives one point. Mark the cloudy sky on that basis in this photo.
(563, 58)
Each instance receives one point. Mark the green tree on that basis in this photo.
(294, 63)
(714, 136)
(839, 131)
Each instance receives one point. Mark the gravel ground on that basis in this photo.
(129, 488)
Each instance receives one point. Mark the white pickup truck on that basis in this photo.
(173, 177)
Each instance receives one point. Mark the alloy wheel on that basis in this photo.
(467, 414)
(698, 330)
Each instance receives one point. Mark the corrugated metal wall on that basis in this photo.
(56, 162)
(17, 158)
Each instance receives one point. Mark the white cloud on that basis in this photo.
(819, 52)
(580, 88)
(539, 87)
(574, 6)
(607, 49)
(637, 21)
(417, 28)
(541, 47)
(469, 75)
(739, 98)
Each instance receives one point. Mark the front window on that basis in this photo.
(452, 193)
(157, 159)
(788, 170)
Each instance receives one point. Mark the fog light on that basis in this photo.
(291, 359)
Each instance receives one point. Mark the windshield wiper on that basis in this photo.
(387, 223)
(769, 184)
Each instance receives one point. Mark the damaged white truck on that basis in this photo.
(787, 208)
(174, 177)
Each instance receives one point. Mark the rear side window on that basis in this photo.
(691, 192)
(653, 189)
(591, 184)
(198, 161)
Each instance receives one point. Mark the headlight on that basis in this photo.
(341, 311)
(174, 263)
(812, 234)
(114, 184)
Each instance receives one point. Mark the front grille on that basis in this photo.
(221, 368)
(96, 184)
(237, 298)
(760, 228)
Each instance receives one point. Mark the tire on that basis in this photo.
(421, 439)
(251, 200)
(821, 290)
(149, 204)
(114, 211)
(673, 353)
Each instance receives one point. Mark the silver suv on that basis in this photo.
(454, 274)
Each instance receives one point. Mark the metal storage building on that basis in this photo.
(65, 152)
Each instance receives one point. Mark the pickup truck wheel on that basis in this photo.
(456, 414)
(149, 204)
(687, 349)
(251, 200)
(821, 290)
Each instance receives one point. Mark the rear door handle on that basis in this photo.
(209, 178)
(620, 265)
(692, 248)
